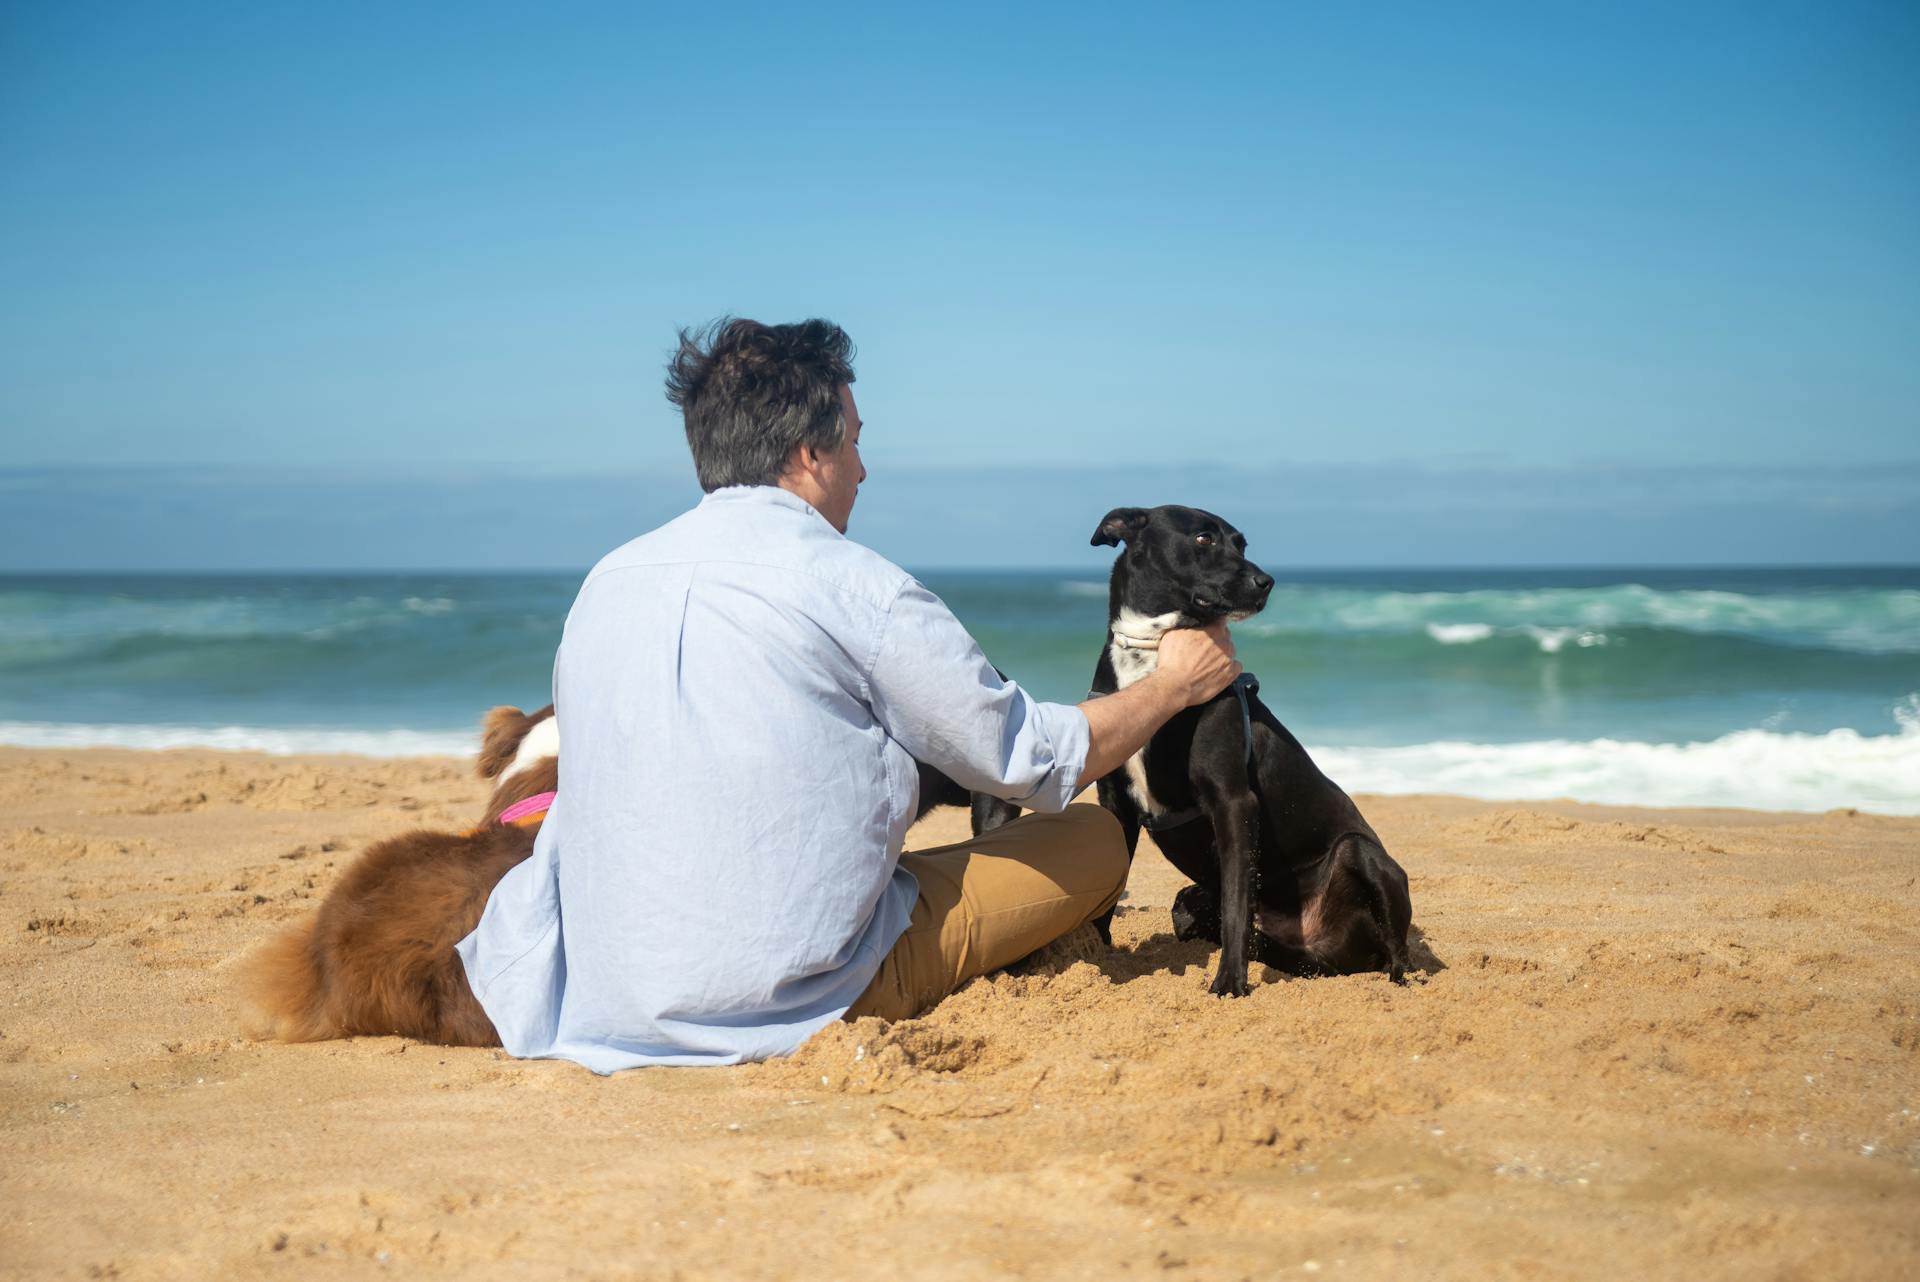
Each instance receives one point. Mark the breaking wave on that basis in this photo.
(1752, 769)
(1855, 619)
(278, 741)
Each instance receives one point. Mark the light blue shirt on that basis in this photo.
(742, 696)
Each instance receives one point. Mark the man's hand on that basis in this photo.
(1198, 661)
(1195, 664)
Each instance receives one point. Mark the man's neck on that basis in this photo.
(802, 486)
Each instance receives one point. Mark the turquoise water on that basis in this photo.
(1787, 687)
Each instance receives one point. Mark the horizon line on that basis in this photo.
(1080, 571)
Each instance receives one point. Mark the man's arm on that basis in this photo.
(1195, 665)
(935, 693)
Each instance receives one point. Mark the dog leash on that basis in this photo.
(1243, 685)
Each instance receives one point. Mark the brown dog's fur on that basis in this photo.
(500, 737)
(377, 958)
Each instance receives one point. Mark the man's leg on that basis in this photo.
(992, 899)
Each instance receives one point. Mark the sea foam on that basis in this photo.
(1753, 769)
(278, 741)
(1459, 633)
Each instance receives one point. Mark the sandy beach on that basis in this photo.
(1641, 1044)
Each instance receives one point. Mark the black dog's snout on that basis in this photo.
(1263, 581)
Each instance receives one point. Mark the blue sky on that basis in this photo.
(1632, 282)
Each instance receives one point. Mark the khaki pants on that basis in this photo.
(992, 899)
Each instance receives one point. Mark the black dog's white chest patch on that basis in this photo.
(1135, 653)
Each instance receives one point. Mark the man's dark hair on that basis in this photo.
(751, 392)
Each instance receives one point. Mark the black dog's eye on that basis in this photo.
(1204, 540)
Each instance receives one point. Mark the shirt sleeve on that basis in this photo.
(935, 693)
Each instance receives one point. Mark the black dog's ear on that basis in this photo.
(1119, 525)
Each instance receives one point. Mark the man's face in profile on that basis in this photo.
(840, 470)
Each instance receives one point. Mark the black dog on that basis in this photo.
(1285, 869)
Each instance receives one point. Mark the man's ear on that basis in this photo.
(1119, 525)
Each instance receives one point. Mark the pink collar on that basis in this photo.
(530, 809)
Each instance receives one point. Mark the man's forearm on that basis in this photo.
(1119, 724)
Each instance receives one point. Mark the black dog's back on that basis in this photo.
(936, 789)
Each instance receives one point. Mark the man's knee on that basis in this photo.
(1104, 839)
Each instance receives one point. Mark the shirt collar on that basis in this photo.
(769, 494)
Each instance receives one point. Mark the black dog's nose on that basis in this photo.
(1263, 581)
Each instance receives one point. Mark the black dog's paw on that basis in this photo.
(1103, 927)
(1196, 915)
(1225, 985)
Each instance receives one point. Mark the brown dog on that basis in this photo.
(377, 958)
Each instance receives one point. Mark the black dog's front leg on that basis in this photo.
(1236, 821)
(1121, 807)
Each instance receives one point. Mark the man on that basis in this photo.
(742, 695)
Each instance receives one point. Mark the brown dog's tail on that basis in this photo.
(380, 957)
(283, 994)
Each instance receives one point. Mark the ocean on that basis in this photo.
(1790, 688)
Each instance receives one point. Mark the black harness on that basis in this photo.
(1243, 685)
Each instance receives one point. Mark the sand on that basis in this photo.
(1641, 1044)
